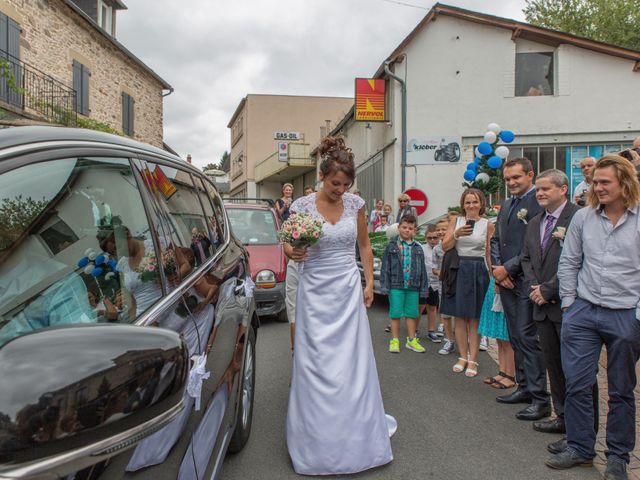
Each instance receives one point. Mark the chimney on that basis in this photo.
(188, 158)
(323, 132)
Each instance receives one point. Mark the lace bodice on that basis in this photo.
(336, 239)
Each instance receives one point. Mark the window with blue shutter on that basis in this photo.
(10, 52)
(81, 75)
(128, 104)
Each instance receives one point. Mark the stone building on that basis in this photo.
(63, 62)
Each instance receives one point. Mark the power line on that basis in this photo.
(404, 4)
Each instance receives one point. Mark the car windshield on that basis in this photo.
(253, 227)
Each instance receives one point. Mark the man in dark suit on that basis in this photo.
(506, 247)
(540, 256)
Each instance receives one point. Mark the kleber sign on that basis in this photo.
(370, 100)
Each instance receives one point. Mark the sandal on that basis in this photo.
(471, 372)
(459, 367)
(499, 384)
(492, 380)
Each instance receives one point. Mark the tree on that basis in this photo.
(611, 21)
(210, 166)
(16, 215)
(225, 162)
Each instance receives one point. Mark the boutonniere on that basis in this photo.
(522, 215)
(559, 234)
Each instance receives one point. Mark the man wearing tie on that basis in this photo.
(506, 247)
(540, 256)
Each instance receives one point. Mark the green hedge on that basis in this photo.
(379, 242)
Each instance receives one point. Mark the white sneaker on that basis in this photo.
(448, 347)
(484, 344)
(440, 330)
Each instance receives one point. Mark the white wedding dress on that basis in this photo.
(336, 422)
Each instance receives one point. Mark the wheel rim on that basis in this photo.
(247, 386)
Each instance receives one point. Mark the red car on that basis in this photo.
(255, 223)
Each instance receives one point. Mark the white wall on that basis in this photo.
(461, 76)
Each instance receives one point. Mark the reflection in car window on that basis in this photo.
(214, 222)
(253, 227)
(218, 218)
(180, 220)
(75, 246)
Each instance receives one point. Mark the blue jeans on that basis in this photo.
(585, 328)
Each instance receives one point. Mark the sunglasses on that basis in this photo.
(432, 238)
(403, 201)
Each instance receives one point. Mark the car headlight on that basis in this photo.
(377, 263)
(265, 279)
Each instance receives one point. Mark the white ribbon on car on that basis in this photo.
(197, 375)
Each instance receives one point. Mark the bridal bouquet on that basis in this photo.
(300, 230)
(148, 267)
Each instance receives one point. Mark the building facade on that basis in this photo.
(565, 97)
(64, 58)
(262, 122)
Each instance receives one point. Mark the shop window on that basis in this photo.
(534, 74)
(547, 158)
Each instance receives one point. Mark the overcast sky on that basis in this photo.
(214, 52)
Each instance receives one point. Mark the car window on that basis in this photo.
(180, 220)
(215, 218)
(218, 217)
(75, 246)
(253, 227)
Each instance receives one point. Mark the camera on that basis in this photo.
(582, 199)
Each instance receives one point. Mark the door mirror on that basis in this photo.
(74, 396)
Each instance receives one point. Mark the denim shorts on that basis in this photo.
(403, 303)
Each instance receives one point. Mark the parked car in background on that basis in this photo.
(255, 223)
(120, 283)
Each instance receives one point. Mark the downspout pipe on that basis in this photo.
(403, 142)
(168, 93)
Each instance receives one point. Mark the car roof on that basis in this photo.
(36, 137)
(246, 206)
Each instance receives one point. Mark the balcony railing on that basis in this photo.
(30, 89)
(298, 162)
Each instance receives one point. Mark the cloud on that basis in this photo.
(214, 52)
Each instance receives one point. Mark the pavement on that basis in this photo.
(600, 461)
(449, 426)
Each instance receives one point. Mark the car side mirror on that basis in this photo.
(73, 396)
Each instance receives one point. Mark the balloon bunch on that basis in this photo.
(488, 160)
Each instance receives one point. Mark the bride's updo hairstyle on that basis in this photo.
(336, 157)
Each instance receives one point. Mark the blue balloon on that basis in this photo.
(494, 162)
(96, 272)
(469, 175)
(472, 166)
(485, 148)
(507, 136)
(477, 161)
(83, 262)
(99, 260)
(113, 264)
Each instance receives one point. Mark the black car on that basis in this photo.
(127, 331)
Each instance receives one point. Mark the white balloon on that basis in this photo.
(89, 268)
(392, 231)
(494, 127)
(490, 137)
(502, 151)
(482, 177)
(478, 154)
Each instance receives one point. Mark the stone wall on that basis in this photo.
(53, 35)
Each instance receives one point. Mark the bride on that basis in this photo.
(336, 422)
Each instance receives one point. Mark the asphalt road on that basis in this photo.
(449, 426)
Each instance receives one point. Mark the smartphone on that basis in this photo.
(471, 223)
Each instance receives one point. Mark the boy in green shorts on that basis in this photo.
(404, 275)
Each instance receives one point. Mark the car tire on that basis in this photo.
(282, 316)
(244, 415)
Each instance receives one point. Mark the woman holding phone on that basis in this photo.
(469, 234)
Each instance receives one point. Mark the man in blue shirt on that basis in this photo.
(600, 294)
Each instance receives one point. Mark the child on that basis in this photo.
(438, 253)
(404, 275)
(384, 223)
(431, 298)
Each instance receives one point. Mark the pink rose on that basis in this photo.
(151, 268)
(316, 234)
(295, 234)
